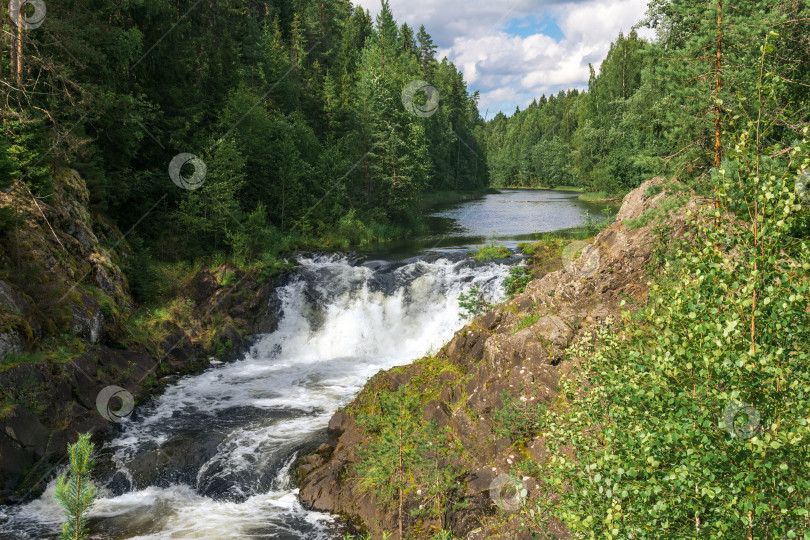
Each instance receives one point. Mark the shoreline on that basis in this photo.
(585, 196)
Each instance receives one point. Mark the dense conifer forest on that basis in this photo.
(294, 109)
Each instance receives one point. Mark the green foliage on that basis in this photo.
(407, 457)
(77, 493)
(526, 322)
(491, 252)
(594, 225)
(546, 246)
(472, 303)
(9, 219)
(13, 358)
(695, 419)
(654, 190)
(519, 419)
(23, 143)
(228, 278)
(519, 277)
(255, 238)
(295, 108)
(139, 267)
(577, 139)
(652, 106)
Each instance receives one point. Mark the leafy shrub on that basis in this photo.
(256, 237)
(593, 224)
(139, 267)
(695, 420)
(351, 229)
(406, 457)
(519, 278)
(472, 303)
(519, 420)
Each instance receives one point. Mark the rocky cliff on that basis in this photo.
(66, 328)
(518, 349)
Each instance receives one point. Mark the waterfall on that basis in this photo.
(211, 457)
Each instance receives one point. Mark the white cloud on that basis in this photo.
(511, 70)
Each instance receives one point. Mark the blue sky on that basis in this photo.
(534, 24)
(512, 51)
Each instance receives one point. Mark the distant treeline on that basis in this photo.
(653, 108)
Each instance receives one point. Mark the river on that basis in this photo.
(211, 456)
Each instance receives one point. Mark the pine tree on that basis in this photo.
(385, 467)
(707, 55)
(77, 493)
(406, 457)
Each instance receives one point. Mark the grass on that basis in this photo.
(59, 349)
(426, 385)
(228, 278)
(545, 246)
(595, 196)
(14, 358)
(491, 252)
(526, 322)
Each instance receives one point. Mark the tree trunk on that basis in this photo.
(718, 84)
(717, 87)
(19, 64)
(401, 482)
(2, 39)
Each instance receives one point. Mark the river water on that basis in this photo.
(211, 456)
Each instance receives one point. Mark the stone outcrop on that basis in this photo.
(64, 307)
(496, 357)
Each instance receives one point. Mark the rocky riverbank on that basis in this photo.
(519, 349)
(67, 331)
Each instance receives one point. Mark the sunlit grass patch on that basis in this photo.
(491, 252)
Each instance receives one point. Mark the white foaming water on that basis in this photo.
(211, 457)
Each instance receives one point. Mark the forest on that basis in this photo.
(669, 107)
(228, 133)
(294, 109)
